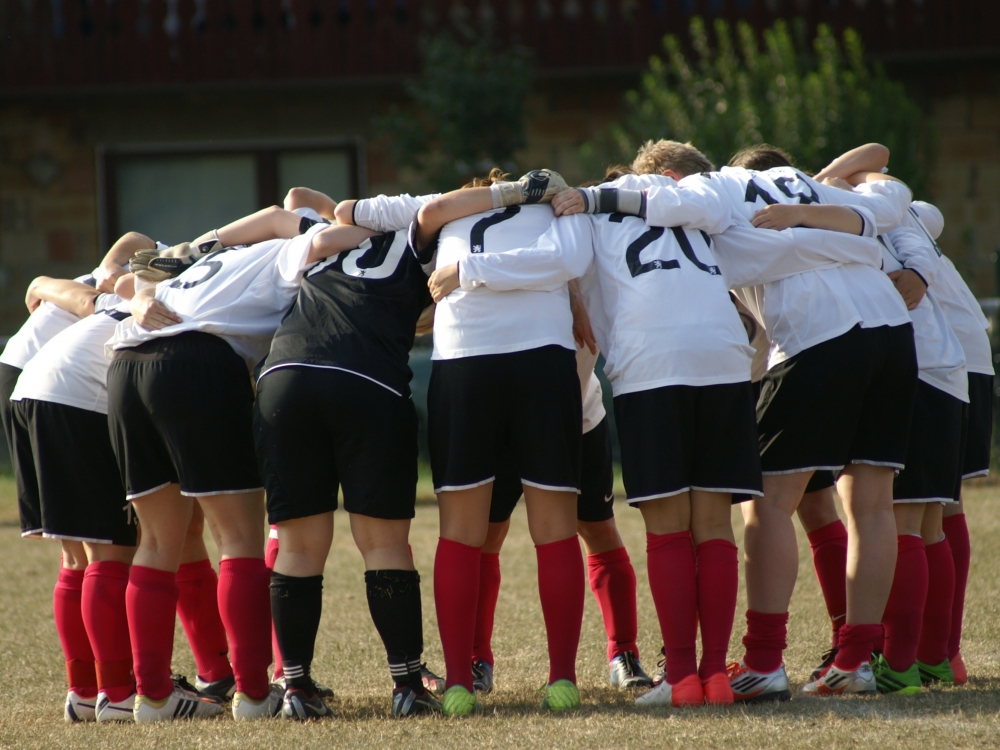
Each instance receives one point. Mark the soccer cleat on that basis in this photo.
(687, 692)
(756, 687)
(836, 681)
(109, 710)
(80, 709)
(431, 681)
(407, 702)
(244, 707)
(890, 682)
(302, 707)
(482, 677)
(323, 691)
(222, 689)
(828, 658)
(958, 669)
(180, 704)
(561, 695)
(661, 667)
(936, 673)
(458, 701)
(627, 672)
(718, 690)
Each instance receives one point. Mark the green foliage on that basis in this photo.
(467, 111)
(815, 101)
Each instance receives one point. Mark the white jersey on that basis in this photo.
(475, 321)
(961, 308)
(71, 369)
(590, 389)
(389, 213)
(803, 307)
(237, 294)
(940, 359)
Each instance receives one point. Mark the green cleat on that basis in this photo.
(561, 695)
(458, 701)
(936, 673)
(890, 682)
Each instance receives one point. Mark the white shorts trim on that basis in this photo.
(328, 367)
(644, 498)
(460, 487)
(980, 473)
(136, 495)
(887, 464)
(730, 490)
(925, 500)
(802, 471)
(67, 538)
(31, 532)
(550, 487)
(222, 492)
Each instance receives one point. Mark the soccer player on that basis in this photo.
(839, 336)
(200, 333)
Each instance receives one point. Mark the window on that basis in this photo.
(175, 193)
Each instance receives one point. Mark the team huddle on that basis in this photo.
(768, 336)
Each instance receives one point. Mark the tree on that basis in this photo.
(815, 103)
(467, 111)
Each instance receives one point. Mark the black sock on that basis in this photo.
(296, 606)
(394, 601)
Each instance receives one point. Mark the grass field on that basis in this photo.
(350, 658)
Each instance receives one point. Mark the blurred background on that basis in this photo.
(171, 117)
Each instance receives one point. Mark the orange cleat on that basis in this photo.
(718, 690)
(687, 692)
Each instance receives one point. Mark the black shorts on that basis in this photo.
(527, 403)
(934, 455)
(846, 400)
(681, 437)
(180, 411)
(596, 501)
(68, 485)
(320, 429)
(979, 437)
(820, 480)
(8, 379)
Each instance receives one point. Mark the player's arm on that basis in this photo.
(336, 239)
(116, 260)
(303, 197)
(583, 332)
(151, 313)
(383, 213)
(887, 198)
(71, 296)
(270, 223)
(920, 264)
(872, 157)
(815, 216)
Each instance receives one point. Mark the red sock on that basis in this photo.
(103, 608)
(856, 645)
(612, 579)
(270, 556)
(66, 598)
(245, 608)
(718, 577)
(765, 640)
(198, 609)
(150, 600)
(489, 590)
(957, 532)
(829, 553)
(672, 579)
(455, 595)
(936, 632)
(562, 591)
(905, 607)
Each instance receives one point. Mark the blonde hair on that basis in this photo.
(656, 156)
(760, 157)
(496, 175)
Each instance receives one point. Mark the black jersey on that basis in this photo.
(357, 312)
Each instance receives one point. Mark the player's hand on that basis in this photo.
(910, 286)
(582, 330)
(837, 182)
(31, 299)
(778, 216)
(443, 282)
(106, 275)
(537, 186)
(152, 314)
(568, 202)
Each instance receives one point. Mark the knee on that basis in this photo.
(602, 535)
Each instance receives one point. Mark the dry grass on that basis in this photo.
(350, 658)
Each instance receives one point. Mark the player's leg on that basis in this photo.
(81, 674)
(303, 197)
(612, 578)
(198, 610)
(501, 507)
(932, 655)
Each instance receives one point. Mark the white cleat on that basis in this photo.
(834, 681)
(108, 710)
(78, 708)
(756, 687)
(180, 704)
(245, 708)
(687, 692)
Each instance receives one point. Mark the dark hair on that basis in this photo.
(762, 156)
